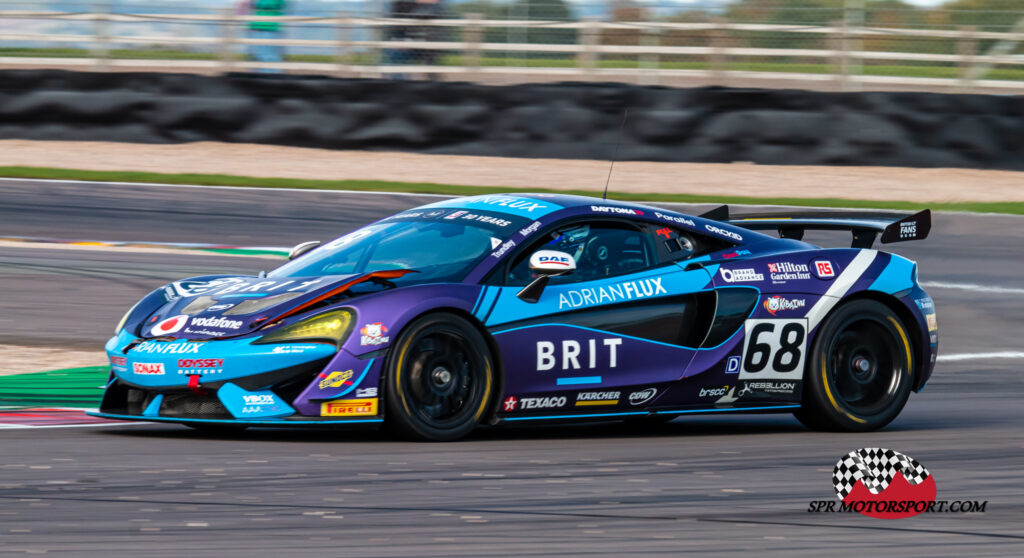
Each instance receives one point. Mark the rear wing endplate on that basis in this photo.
(865, 226)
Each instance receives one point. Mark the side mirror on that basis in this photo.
(546, 264)
(301, 249)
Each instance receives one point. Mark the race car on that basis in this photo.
(535, 309)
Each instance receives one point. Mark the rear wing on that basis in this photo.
(865, 226)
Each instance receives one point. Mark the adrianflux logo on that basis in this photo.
(887, 484)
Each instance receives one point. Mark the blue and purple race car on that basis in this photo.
(517, 308)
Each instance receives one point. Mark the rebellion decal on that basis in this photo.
(774, 388)
(373, 334)
(588, 398)
(777, 303)
(603, 355)
(628, 290)
(349, 408)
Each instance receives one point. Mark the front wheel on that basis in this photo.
(440, 378)
(860, 372)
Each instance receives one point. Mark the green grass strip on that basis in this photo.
(1015, 208)
(69, 387)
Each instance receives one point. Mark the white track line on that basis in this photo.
(971, 287)
(978, 356)
(388, 193)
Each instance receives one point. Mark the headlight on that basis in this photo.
(334, 327)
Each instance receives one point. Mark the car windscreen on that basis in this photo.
(440, 245)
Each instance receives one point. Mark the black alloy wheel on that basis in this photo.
(440, 379)
(860, 372)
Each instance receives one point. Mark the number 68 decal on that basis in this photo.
(774, 349)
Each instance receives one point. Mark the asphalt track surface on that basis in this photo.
(717, 485)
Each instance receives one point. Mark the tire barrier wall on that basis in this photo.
(566, 120)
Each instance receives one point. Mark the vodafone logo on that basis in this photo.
(883, 483)
(170, 325)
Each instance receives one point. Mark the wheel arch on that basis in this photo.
(490, 415)
(906, 318)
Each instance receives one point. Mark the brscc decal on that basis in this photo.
(349, 408)
(713, 391)
(373, 334)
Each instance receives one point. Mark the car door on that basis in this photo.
(625, 318)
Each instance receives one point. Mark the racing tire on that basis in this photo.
(860, 370)
(439, 379)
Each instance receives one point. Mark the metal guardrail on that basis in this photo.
(844, 56)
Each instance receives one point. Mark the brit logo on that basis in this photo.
(373, 334)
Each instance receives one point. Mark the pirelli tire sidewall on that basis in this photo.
(823, 408)
(401, 416)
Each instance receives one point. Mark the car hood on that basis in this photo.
(229, 306)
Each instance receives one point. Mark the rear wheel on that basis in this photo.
(440, 379)
(860, 372)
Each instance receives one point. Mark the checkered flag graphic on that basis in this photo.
(876, 467)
